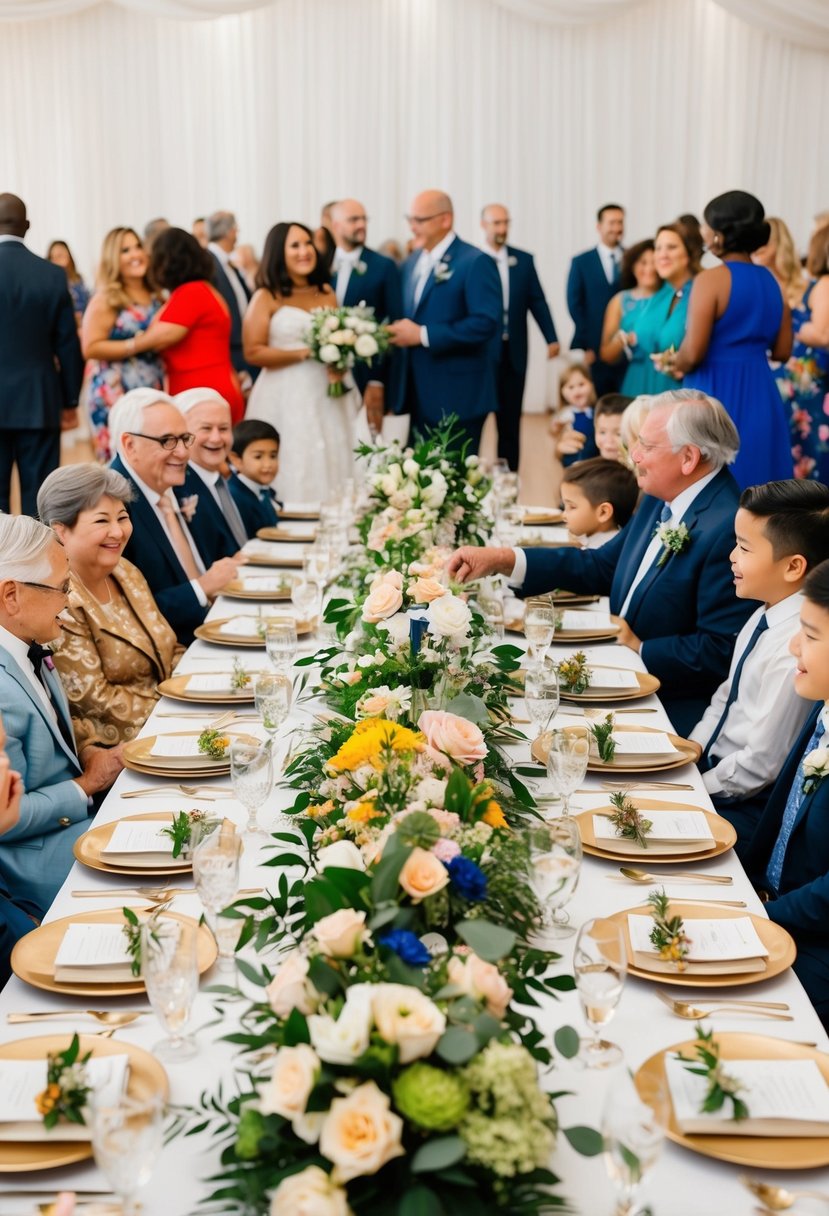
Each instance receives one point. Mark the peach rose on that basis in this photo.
(424, 590)
(291, 989)
(482, 981)
(381, 603)
(294, 1075)
(340, 934)
(361, 1133)
(404, 1016)
(454, 736)
(311, 1192)
(422, 875)
(391, 578)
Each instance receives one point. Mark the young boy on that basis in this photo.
(782, 531)
(788, 858)
(255, 459)
(607, 424)
(599, 496)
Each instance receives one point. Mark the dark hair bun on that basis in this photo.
(740, 218)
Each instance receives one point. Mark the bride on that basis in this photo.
(316, 431)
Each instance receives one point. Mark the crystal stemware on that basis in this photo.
(272, 698)
(169, 968)
(307, 599)
(539, 628)
(251, 772)
(281, 643)
(555, 863)
(541, 695)
(216, 875)
(600, 968)
(633, 1129)
(127, 1137)
(567, 758)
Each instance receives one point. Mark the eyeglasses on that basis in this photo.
(168, 442)
(62, 590)
(423, 219)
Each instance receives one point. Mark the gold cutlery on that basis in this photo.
(694, 1013)
(190, 791)
(105, 1016)
(624, 786)
(671, 1002)
(779, 1198)
(718, 903)
(155, 895)
(643, 876)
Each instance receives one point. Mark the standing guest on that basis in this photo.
(247, 263)
(361, 276)
(324, 242)
(453, 316)
(572, 425)
(124, 304)
(780, 256)
(223, 233)
(736, 314)
(59, 254)
(152, 441)
(598, 497)
(41, 368)
(522, 294)
(199, 230)
(607, 425)
(115, 646)
(255, 459)
(677, 602)
(193, 327)
(638, 282)
(592, 282)
(660, 324)
(36, 853)
(391, 248)
(152, 229)
(216, 525)
(17, 916)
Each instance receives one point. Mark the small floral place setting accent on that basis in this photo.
(66, 1095)
(240, 678)
(183, 827)
(673, 540)
(213, 743)
(722, 1087)
(574, 675)
(627, 820)
(602, 732)
(668, 934)
(132, 932)
(815, 768)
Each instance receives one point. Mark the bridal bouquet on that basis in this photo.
(340, 337)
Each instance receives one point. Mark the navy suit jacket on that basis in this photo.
(685, 610)
(41, 366)
(222, 284)
(526, 295)
(588, 295)
(255, 511)
(463, 314)
(378, 286)
(149, 549)
(208, 526)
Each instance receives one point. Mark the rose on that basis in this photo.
(340, 934)
(330, 324)
(431, 790)
(309, 1193)
(329, 353)
(411, 468)
(383, 602)
(406, 1017)
(480, 980)
(426, 590)
(343, 1041)
(457, 738)
(397, 627)
(343, 854)
(291, 989)
(361, 1133)
(449, 617)
(392, 578)
(434, 494)
(422, 875)
(294, 1075)
(366, 346)
(816, 760)
(387, 484)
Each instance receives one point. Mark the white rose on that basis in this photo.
(311, 1192)
(383, 602)
(343, 854)
(291, 989)
(329, 353)
(400, 500)
(482, 981)
(294, 1075)
(817, 759)
(431, 790)
(361, 1133)
(411, 468)
(434, 494)
(472, 462)
(330, 324)
(366, 346)
(449, 617)
(396, 472)
(397, 627)
(344, 1041)
(387, 484)
(340, 934)
(407, 1018)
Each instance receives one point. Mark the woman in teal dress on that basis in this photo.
(660, 323)
(639, 281)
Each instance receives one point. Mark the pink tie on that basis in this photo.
(183, 551)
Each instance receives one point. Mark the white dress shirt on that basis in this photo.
(232, 275)
(209, 478)
(610, 259)
(767, 716)
(597, 539)
(152, 497)
(344, 262)
(425, 265)
(9, 237)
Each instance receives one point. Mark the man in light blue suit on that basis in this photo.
(667, 573)
(451, 328)
(36, 853)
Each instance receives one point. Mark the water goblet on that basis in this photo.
(600, 967)
(633, 1129)
(251, 772)
(127, 1136)
(281, 642)
(272, 698)
(555, 864)
(509, 523)
(307, 599)
(216, 875)
(169, 968)
(541, 695)
(567, 759)
(539, 628)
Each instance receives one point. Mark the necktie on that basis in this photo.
(760, 628)
(37, 654)
(614, 277)
(793, 804)
(665, 514)
(179, 541)
(231, 511)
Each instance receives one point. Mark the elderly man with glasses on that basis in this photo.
(59, 785)
(151, 438)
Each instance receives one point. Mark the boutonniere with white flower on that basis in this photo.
(673, 540)
(815, 768)
(512, 260)
(442, 273)
(188, 506)
(360, 267)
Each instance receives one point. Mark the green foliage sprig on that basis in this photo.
(628, 822)
(67, 1092)
(602, 732)
(213, 743)
(132, 932)
(240, 678)
(574, 674)
(668, 934)
(721, 1087)
(180, 830)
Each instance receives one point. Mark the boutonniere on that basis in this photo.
(48, 661)
(815, 768)
(442, 273)
(512, 260)
(360, 267)
(188, 506)
(673, 540)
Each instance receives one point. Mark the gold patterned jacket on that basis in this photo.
(111, 658)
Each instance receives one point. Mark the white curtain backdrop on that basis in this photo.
(113, 116)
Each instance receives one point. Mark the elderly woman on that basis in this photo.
(116, 646)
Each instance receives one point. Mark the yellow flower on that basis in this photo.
(367, 742)
(363, 811)
(47, 1101)
(494, 816)
(319, 810)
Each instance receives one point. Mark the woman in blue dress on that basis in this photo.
(737, 315)
(660, 324)
(639, 282)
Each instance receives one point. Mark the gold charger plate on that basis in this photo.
(310, 515)
(138, 755)
(285, 537)
(145, 1078)
(648, 684)
(33, 957)
(780, 945)
(722, 831)
(234, 590)
(176, 688)
(221, 768)
(538, 519)
(572, 635)
(282, 563)
(689, 752)
(89, 848)
(756, 1152)
(209, 632)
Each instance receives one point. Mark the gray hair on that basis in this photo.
(79, 487)
(701, 421)
(127, 415)
(635, 414)
(219, 224)
(24, 543)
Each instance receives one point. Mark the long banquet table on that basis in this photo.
(681, 1184)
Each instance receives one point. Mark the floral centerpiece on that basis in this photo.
(341, 337)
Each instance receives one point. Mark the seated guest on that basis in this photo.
(788, 858)
(217, 526)
(36, 854)
(255, 458)
(667, 572)
(572, 424)
(632, 420)
(152, 441)
(115, 645)
(17, 916)
(599, 496)
(607, 424)
(782, 531)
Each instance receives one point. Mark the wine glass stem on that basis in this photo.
(565, 804)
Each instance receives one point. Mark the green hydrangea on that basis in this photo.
(249, 1133)
(431, 1098)
(511, 1129)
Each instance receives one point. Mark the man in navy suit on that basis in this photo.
(41, 367)
(361, 276)
(592, 282)
(522, 294)
(152, 441)
(222, 234)
(678, 604)
(453, 316)
(216, 526)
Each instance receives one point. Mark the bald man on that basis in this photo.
(451, 325)
(522, 294)
(362, 276)
(41, 366)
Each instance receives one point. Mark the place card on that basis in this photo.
(716, 947)
(252, 583)
(784, 1098)
(583, 622)
(244, 626)
(22, 1080)
(642, 743)
(219, 682)
(671, 831)
(140, 843)
(176, 745)
(93, 954)
(611, 677)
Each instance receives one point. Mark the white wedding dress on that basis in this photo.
(316, 452)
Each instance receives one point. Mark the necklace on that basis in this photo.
(107, 588)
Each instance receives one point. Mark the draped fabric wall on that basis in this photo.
(114, 116)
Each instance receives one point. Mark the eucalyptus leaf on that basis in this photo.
(585, 1140)
(438, 1154)
(567, 1042)
(457, 1046)
(490, 942)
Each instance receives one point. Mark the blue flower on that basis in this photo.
(468, 879)
(407, 945)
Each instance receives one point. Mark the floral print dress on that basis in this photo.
(804, 386)
(109, 380)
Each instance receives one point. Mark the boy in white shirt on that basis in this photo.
(598, 498)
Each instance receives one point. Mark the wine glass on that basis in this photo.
(127, 1136)
(281, 642)
(555, 863)
(216, 875)
(272, 698)
(541, 695)
(251, 771)
(600, 967)
(307, 599)
(539, 628)
(169, 968)
(567, 758)
(633, 1129)
(509, 523)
